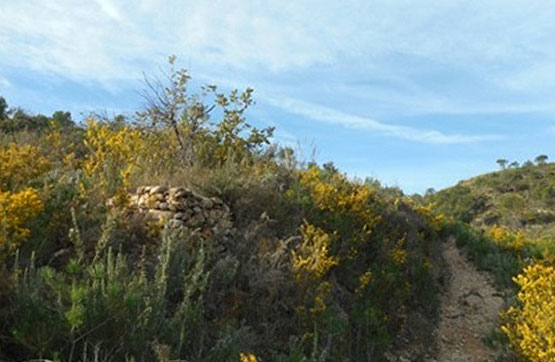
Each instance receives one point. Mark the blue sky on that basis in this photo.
(415, 93)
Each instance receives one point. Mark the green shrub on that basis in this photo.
(503, 264)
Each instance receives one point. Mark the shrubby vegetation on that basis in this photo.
(318, 268)
(530, 323)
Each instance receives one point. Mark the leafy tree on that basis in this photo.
(62, 119)
(17, 119)
(541, 159)
(330, 168)
(514, 164)
(502, 163)
(3, 108)
(170, 105)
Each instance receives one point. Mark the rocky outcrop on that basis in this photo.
(180, 207)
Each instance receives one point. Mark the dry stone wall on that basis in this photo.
(181, 207)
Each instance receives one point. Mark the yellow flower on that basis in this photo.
(312, 260)
(247, 357)
(342, 196)
(113, 156)
(531, 324)
(16, 209)
(364, 280)
(20, 163)
(399, 255)
(506, 239)
(427, 212)
(60, 149)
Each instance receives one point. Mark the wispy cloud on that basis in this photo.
(88, 41)
(96, 38)
(323, 114)
(110, 9)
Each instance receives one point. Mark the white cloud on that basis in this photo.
(332, 116)
(95, 37)
(110, 9)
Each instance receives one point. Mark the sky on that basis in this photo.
(417, 94)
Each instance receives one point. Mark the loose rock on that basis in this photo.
(180, 207)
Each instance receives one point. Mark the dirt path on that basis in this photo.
(470, 307)
(468, 313)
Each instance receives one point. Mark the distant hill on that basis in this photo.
(521, 198)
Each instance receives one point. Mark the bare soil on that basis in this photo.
(470, 310)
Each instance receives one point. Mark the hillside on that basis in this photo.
(184, 234)
(520, 199)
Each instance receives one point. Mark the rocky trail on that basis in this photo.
(470, 308)
(468, 313)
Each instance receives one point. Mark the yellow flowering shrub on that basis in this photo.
(16, 209)
(60, 149)
(322, 291)
(531, 324)
(339, 195)
(399, 254)
(19, 164)
(113, 155)
(364, 280)
(507, 239)
(312, 260)
(435, 221)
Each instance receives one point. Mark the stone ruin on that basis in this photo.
(180, 207)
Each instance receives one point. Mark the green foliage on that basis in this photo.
(503, 264)
(105, 303)
(517, 198)
(541, 159)
(317, 267)
(3, 108)
(459, 202)
(16, 119)
(199, 140)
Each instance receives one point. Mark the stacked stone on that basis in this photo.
(181, 207)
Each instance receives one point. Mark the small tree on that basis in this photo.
(330, 168)
(62, 119)
(541, 159)
(169, 104)
(430, 191)
(502, 163)
(514, 164)
(3, 108)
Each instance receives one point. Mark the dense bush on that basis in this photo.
(530, 324)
